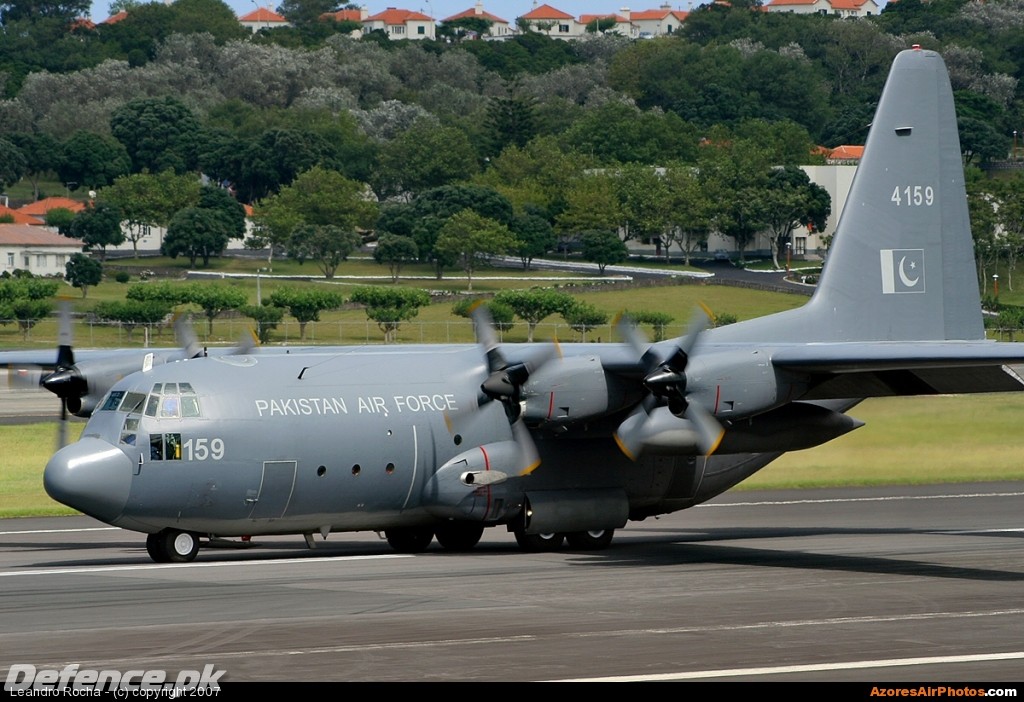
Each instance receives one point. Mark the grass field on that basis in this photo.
(907, 440)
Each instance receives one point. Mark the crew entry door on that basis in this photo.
(275, 490)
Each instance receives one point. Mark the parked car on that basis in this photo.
(721, 255)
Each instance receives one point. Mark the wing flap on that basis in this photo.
(890, 369)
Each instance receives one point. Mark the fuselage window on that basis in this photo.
(151, 405)
(156, 447)
(172, 446)
(128, 435)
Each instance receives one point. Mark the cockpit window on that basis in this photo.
(112, 401)
(133, 402)
(173, 400)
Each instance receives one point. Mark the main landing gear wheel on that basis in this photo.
(590, 540)
(538, 543)
(172, 546)
(459, 536)
(410, 539)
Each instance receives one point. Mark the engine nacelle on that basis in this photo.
(480, 484)
(560, 511)
(571, 390)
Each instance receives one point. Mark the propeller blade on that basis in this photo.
(65, 354)
(62, 425)
(529, 456)
(186, 336)
(709, 431)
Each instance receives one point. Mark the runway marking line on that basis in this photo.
(212, 564)
(891, 498)
(810, 668)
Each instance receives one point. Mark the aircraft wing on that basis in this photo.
(881, 369)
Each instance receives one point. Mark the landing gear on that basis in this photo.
(410, 539)
(538, 543)
(459, 536)
(172, 546)
(590, 540)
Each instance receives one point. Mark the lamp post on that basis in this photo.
(995, 285)
(789, 250)
(259, 295)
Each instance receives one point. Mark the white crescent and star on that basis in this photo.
(909, 282)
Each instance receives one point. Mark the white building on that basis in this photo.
(401, 24)
(35, 249)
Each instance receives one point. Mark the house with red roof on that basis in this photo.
(262, 18)
(499, 28)
(35, 249)
(401, 24)
(546, 19)
(39, 208)
(845, 155)
(655, 23)
(9, 216)
(841, 8)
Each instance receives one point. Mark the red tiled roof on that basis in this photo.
(546, 12)
(394, 16)
(659, 14)
(344, 16)
(262, 14)
(471, 12)
(115, 18)
(22, 235)
(17, 217)
(792, 2)
(846, 152)
(39, 208)
(847, 4)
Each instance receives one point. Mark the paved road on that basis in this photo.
(868, 585)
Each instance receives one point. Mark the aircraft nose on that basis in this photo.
(92, 476)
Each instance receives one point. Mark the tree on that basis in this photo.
(83, 272)
(43, 154)
(327, 245)
(688, 211)
(196, 232)
(29, 312)
(389, 307)
(146, 200)
(158, 134)
(395, 251)
(535, 234)
(658, 320)
(604, 248)
(534, 305)
(215, 299)
(98, 226)
(423, 157)
(305, 304)
(583, 317)
(792, 200)
(318, 197)
(132, 313)
(13, 164)
(470, 238)
(92, 161)
(267, 317)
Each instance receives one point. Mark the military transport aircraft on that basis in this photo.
(560, 444)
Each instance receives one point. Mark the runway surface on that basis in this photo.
(868, 585)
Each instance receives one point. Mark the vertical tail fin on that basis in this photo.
(901, 267)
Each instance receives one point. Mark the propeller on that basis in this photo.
(66, 382)
(505, 380)
(666, 380)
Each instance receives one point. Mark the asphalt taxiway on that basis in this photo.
(868, 585)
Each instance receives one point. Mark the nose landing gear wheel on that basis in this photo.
(172, 546)
(538, 543)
